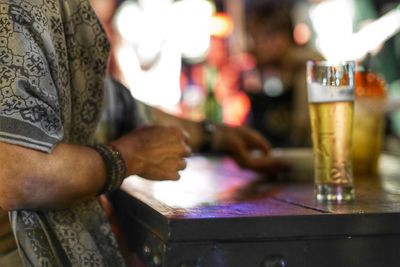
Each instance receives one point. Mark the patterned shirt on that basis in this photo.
(53, 57)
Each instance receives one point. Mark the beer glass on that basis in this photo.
(331, 100)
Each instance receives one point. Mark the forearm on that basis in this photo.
(32, 179)
(193, 128)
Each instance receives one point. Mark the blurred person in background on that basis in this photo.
(53, 172)
(277, 84)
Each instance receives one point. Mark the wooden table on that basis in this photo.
(219, 215)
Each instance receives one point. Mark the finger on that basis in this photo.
(240, 152)
(162, 172)
(187, 150)
(182, 151)
(164, 176)
(186, 136)
(173, 176)
(180, 137)
(180, 164)
(257, 141)
(173, 164)
(167, 150)
(179, 133)
(268, 165)
(260, 163)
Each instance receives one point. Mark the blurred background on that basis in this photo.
(243, 62)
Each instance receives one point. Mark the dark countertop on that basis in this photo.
(219, 202)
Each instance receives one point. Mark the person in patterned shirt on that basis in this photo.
(53, 59)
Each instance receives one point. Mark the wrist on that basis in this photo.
(128, 150)
(209, 130)
(115, 167)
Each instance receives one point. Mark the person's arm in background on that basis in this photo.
(246, 146)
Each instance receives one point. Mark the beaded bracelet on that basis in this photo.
(115, 167)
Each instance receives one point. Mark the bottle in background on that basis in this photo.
(212, 108)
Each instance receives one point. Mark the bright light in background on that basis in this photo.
(375, 33)
(332, 21)
(157, 85)
(191, 27)
(221, 25)
(184, 192)
(154, 5)
(237, 109)
(157, 34)
(302, 34)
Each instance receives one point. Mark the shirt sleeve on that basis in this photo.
(122, 112)
(29, 108)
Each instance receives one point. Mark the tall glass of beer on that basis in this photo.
(331, 99)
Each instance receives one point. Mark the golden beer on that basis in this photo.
(369, 120)
(331, 124)
(331, 101)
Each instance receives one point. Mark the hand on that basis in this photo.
(154, 152)
(248, 148)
